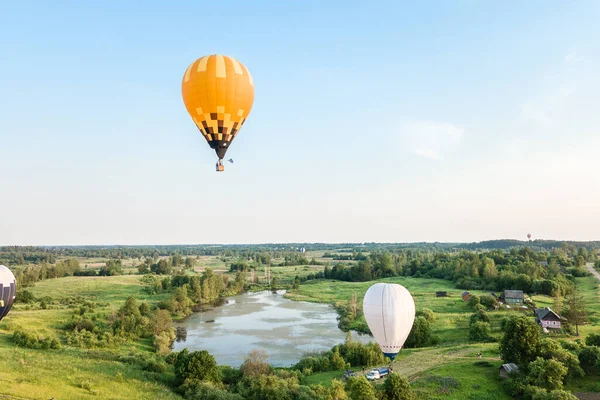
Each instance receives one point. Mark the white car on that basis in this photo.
(373, 374)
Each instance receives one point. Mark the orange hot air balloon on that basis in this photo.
(218, 93)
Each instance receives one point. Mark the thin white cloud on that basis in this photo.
(563, 96)
(430, 139)
(572, 57)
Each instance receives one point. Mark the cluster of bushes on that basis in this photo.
(197, 376)
(145, 361)
(545, 364)
(479, 327)
(34, 341)
(192, 290)
(31, 274)
(342, 356)
(84, 330)
(165, 266)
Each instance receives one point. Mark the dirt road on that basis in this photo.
(590, 268)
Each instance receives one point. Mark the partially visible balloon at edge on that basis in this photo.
(8, 290)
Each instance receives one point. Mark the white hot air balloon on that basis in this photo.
(389, 310)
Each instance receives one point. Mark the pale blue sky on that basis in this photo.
(373, 121)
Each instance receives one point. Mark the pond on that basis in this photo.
(285, 329)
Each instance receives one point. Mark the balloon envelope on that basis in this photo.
(389, 310)
(8, 290)
(218, 93)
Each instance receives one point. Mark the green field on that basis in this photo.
(454, 357)
(452, 313)
(73, 372)
(77, 373)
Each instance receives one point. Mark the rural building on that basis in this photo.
(506, 369)
(547, 318)
(465, 296)
(441, 294)
(514, 297)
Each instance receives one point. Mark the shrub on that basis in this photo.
(480, 315)
(489, 301)
(589, 358)
(480, 331)
(474, 300)
(32, 341)
(427, 314)
(593, 339)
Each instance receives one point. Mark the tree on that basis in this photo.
(480, 331)
(558, 395)
(474, 300)
(189, 263)
(161, 322)
(593, 339)
(163, 341)
(427, 314)
(274, 282)
(548, 374)
(145, 309)
(521, 341)
(421, 334)
(353, 306)
(143, 269)
(589, 358)
(550, 349)
(195, 366)
(479, 315)
(574, 311)
(208, 391)
(129, 321)
(296, 284)
(255, 363)
(359, 388)
(337, 361)
(396, 387)
(337, 392)
(489, 301)
(112, 268)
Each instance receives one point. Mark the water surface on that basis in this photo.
(285, 329)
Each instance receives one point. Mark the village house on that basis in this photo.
(506, 369)
(466, 295)
(514, 297)
(547, 318)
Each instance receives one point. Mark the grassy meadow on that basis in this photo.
(449, 369)
(72, 372)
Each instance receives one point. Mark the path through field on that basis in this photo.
(415, 363)
(590, 268)
(412, 365)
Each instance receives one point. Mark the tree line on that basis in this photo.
(521, 269)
